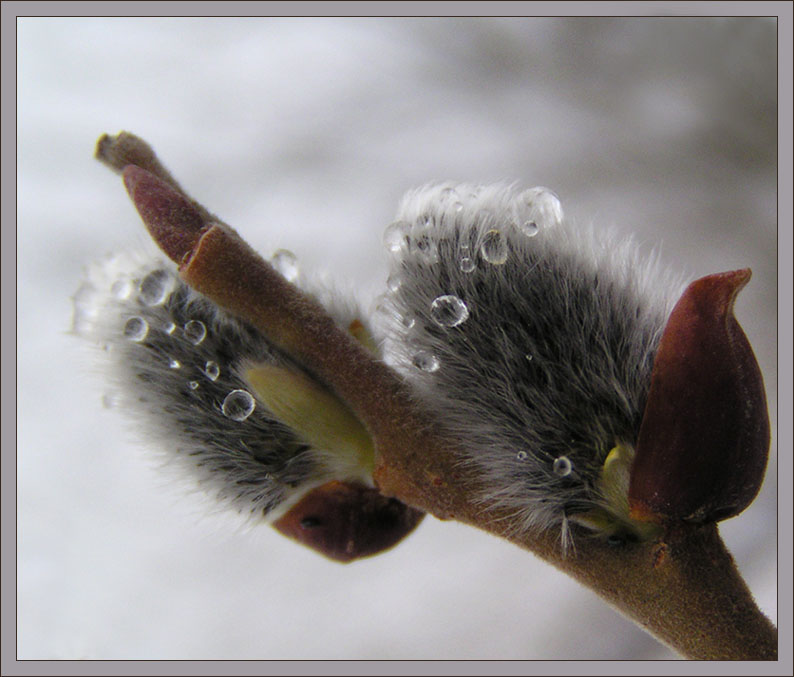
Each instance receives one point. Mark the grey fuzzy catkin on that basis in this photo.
(553, 360)
(257, 465)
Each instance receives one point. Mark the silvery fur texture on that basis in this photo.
(164, 382)
(555, 356)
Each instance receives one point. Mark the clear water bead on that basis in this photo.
(212, 370)
(193, 385)
(136, 329)
(394, 236)
(426, 248)
(529, 228)
(393, 283)
(494, 248)
(562, 466)
(155, 288)
(522, 455)
(238, 405)
(467, 264)
(174, 364)
(539, 208)
(122, 288)
(408, 321)
(169, 328)
(286, 263)
(195, 331)
(426, 361)
(448, 311)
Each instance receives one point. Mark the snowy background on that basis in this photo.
(303, 134)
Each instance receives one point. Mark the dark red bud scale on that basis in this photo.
(704, 439)
(345, 521)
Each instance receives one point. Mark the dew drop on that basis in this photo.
(169, 328)
(156, 287)
(122, 289)
(522, 455)
(448, 311)
(529, 228)
(212, 370)
(540, 207)
(408, 321)
(195, 331)
(174, 364)
(136, 329)
(458, 207)
(426, 361)
(394, 237)
(238, 405)
(286, 263)
(448, 193)
(494, 247)
(562, 466)
(467, 264)
(528, 357)
(427, 248)
(193, 385)
(393, 283)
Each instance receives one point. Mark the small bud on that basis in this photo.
(346, 521)
(704, 439)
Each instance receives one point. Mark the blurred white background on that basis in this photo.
(304, 133)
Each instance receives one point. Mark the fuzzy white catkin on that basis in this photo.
(176, 363)
(529, 339)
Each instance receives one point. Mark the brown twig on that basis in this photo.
(683, 588)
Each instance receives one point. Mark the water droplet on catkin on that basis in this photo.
(562, 466)
(467, 264)
(238, 405)
(494, 248)
(540, 207)
(155, 288)
(426, 361)
(394, 236)
(193, 385)
(195, 331)
(174, 364)
(212, 370)
(136, 329)
(529, 228)
(286, 263)
(522, 455)
(122, 289)
(393, 283)
(449, 311)
(426, 248)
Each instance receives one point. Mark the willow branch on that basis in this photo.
(683, 587)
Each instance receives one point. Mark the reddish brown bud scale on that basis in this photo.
(347, 521)
(170, 217)
(704, 439)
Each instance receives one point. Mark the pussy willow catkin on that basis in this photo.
(532, 341)
(179, 366)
